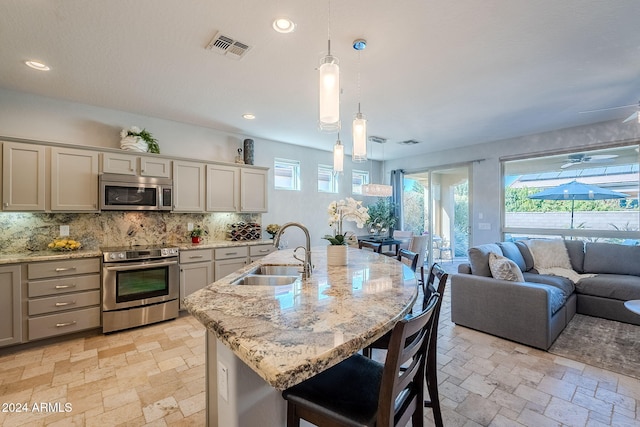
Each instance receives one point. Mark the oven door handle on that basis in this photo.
(139, 266)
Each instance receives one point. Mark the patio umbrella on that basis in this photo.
(575, 190)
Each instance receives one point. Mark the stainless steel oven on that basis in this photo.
(140, 285)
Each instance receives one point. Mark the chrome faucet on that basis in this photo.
(307, 267)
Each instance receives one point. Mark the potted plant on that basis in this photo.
(343, 210)
(134, 139)
(196, 234)
(382, 216)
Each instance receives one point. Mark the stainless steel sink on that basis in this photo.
(265, 280)
(279, 270)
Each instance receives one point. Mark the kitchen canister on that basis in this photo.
(248, 151)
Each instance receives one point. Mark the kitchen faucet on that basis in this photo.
(307, 267)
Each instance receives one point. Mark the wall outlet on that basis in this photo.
(190, 226)
(223, 381)
(64, 230)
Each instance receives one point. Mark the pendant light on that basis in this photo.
(329, 88)
(338, 156)
(378, 190)
(359, 126)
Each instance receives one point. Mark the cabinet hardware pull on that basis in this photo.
(73, 285)
(60, 325)
(265, 250)
(196, 256)
(61, 269)
(231, 253)
(63, 304)
(6, 205)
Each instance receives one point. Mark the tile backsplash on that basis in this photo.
(20, 232)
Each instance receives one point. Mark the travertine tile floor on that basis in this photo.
(154, 376)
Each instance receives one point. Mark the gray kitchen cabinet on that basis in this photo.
(23, 177)
(74, 180)
(129, 164)
(196, 271)
(230, 259)
(10, 306)
(253, 190)
(188, 186)
(223, 188)
(258, 251)
(63, 297)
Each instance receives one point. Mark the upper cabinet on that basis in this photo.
(253, 190)
(23, 177)
(223, 188)
(188, 186)
(74, 180)
(128, 164)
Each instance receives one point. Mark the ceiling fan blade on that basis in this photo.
(607, 109)
(566, 165)
(631, 117)
(602, 157)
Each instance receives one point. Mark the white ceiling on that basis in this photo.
(445, 73)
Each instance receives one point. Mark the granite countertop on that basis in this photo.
(49, 255)
(289, 333)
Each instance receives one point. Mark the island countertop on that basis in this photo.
(289, 333)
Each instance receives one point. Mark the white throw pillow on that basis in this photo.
(503, 268)
(549, 253)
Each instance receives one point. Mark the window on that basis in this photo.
(540, 196)
(286, 175)
(327, 182)
(358, 179)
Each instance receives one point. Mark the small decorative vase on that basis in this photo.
(196, 239)
(248, 151)
(134, 143)
(336, 255)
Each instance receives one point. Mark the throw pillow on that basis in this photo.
(503, 268)
(549, 253)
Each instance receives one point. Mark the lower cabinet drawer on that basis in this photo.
(63, 323)
(63, 302)
(231, 252)
(60, 286)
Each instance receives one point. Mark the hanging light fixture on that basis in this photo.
(329, 94)
(378, 190)
(359, 126)
(338, 156)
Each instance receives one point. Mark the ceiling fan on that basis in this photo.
(576, 159)
(634, 116)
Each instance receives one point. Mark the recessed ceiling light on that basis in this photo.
(248, 116)
(284, 25)
(37, 65)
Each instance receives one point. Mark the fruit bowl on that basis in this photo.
(64, 245)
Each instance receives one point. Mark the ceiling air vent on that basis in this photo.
(409, 142)
(377, 139)
(228, 46)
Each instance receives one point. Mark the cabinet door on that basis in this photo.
(74, 180)
(223, 188)
(23, 177)
(188, 186)
(124, 164)
(253, 190)
(194, 277)
(10, 306)
(155, 167)
(228, 266)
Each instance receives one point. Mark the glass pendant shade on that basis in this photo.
(359, 138)
(378, 190)
(329, 72)
(338, 157)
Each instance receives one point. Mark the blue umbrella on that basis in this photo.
(575, 190)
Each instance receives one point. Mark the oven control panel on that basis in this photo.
(138, 253)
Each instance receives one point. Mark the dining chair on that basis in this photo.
(407, 257)
(405, 237)
(418, 245)
(429, 293)
(375, 247)
(362, 392)
(443, 247)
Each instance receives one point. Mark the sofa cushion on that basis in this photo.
(511, 251)
(615, 286)
(549, 253)
(611, 258)
(575, 248)
(502, 268)
(565, 285)
(479, 258)
(526, 254)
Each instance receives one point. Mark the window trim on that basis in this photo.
(333, 183)
(366, 179)
(294, 165)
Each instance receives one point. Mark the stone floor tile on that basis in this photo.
(478, 409)
(532, 395)
(567, 413)
(533, 419)
(558, 388)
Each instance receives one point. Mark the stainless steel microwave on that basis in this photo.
(135, 193)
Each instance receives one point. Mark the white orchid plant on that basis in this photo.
(143, 134)
(347, 209)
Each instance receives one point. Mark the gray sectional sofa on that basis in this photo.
(535, 312)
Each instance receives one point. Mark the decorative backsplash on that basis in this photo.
(20, 232)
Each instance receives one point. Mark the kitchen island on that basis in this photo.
(263, 339)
